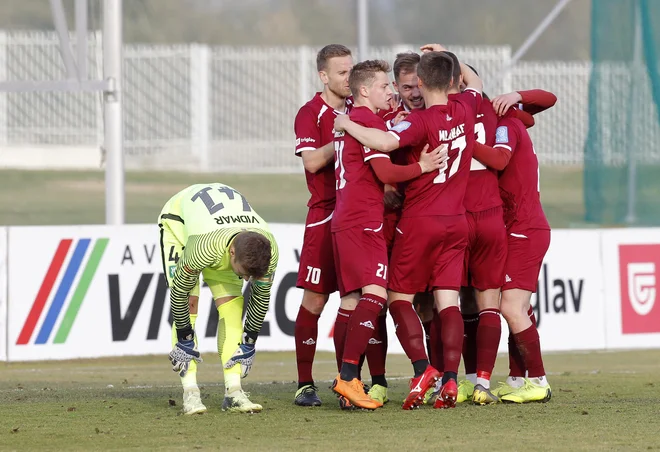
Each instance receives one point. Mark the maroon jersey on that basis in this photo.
(359, 192)
(482, 191)
(519, 181)
(313, 127)
(442, 192)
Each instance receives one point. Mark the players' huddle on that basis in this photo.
(415, 198)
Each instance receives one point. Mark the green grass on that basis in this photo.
(600, 401)
(78, 197)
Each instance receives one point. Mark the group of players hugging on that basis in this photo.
(416, 198)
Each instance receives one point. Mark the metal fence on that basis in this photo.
(231, 109)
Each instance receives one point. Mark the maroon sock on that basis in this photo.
(408, 329)
(339, 337)
(306, 333)
(452, 338)
(361, 327)
(516, 363)
(532, 316)
(437, 358)
(377, 348)
(470, 328)
(529, 344)
(488, 340)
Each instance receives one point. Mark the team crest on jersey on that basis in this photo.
(400, 127)
(502, 134)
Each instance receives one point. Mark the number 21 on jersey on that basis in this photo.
(459, 143)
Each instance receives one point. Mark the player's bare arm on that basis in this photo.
(390, 173)
(372, 138)
(471, 79)
(314, 160)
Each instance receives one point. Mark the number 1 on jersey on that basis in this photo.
(459, 143)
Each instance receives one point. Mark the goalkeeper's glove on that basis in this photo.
(182, 354)
(244, 355)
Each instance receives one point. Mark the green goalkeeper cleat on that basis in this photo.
(238, 402)
(465, 391)
(378, 392)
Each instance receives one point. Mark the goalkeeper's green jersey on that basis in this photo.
(212, 215)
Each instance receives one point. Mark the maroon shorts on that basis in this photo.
(526, 250)
(485, 254)
(317, 264)
(428, 254)
(360, 257)
(389, 229)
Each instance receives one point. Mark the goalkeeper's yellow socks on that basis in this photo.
(230, 333)
(190, 380)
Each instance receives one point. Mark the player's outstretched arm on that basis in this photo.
(496, 158)
(534, 101)
(260, 297)
(317, 159)
(371, 138)
(471, 79)
(390, 173)
(193, 260)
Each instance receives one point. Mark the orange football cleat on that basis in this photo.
(354, 391)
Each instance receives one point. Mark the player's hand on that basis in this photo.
(400, 116)
(182, 354)
(503, 102)
(392, 198)
(244, 355)
(432, 48)
(340, 122)
(434, 160)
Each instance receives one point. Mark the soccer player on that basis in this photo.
(429, 251)
(528, 236)
(316, 274)
(211, 229)
(357, 225)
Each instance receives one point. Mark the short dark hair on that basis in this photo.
(364, 73)
(437, 70)
(253, 252)
(330, 51)
(405, 62)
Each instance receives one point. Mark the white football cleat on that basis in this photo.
(192, 402)
(238, 402)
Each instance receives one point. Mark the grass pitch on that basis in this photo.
(601, 401)
(78, 197)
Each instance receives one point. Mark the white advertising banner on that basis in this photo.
(3, 294)
(99, 291)
(568, 303)
(631, 261)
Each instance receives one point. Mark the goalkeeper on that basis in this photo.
(211, 229)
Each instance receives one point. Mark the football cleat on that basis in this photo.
(483, 396)
(307, 396)
(503, 388)
(354, 391)
(346, 404)
(192, 402)
(529, 392)
(419, 386)
(465, 390)
(432, 394)
(447, 396)
(379, 393)
(239, 402)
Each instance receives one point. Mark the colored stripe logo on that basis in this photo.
(62, 293)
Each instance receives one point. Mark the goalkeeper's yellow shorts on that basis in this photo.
(223, 283)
